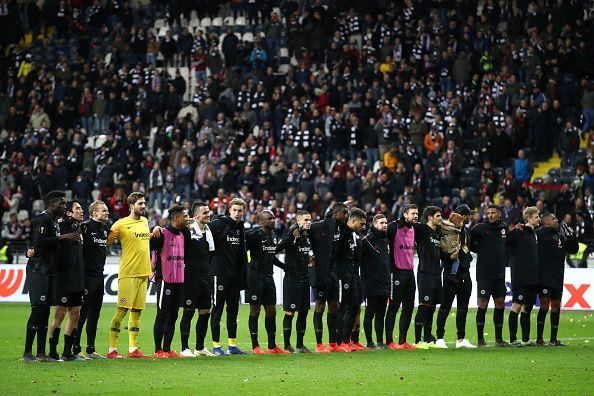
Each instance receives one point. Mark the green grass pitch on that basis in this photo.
(495, 371)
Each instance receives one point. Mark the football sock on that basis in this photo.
(525, 325)
(253, 326)
(391, 321)
(332, 322)
(513, 326)
(428, 324)
(540, 322)
(53, 342)
(68, 339)
(554, 325)
(419, 322)
(133, 329)
(31, 330)
(480, 323)
(355, 336)
(42, 324)
(184, 328)
(115, 326)
(318, 326)
(287, 327)
(498, 321)
(300, 326)
(201, 329)
(404, 324)
(270, 325)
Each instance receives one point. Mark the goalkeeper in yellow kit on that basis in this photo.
(135, 269)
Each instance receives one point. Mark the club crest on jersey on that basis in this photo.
(503, 231)
(123, 300)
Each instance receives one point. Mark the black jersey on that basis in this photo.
(94, 235)
(552, 247)
(428, 243)
(69, 260)
(230, 258)
(297, 254)
(197, 254)
(45, 242)
(375, 263)
(262, 248)
(523, 256)
(347, 255)
(488, 241)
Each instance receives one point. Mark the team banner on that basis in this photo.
(578, 291)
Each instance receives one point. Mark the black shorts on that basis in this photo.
(227, 291)
(69, 299)
(350, 292)
(524, 295)
(40, 288)
(197, 291)
(430, 288)
(169, 295)
(487, 288)
(330, 292)
(296, 295)
(261, 289)
(403, 286)
(552, 293)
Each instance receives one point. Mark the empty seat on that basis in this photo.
(248, 36)
(159, 23)
(194, 23)
(240, 21)
(205, 22)
(228, 21)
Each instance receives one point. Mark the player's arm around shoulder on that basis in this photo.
(114, 232)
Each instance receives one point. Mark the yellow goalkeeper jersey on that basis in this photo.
(134, 235)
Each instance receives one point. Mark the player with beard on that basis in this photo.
(488, 241)
(69, 283)
(168, 267)
(348, 259)
(41, 271)
(459, 287)
(427, 239)
(198, 280)
(324, 239)
(298, 260)
(229, 269)
(554, 243)
(133, 274)
(94, 232)
(401, 241)
(261, 244)
(375, 279)
(523, 253)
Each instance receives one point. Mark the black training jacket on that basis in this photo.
(324, 237)
(523, 257)
(428, 243)
(375, 264)
(488, 241)
(45, 242)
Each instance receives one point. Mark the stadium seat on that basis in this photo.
(284, 52)
(240, 21)
(163, 32)
(218, 21)
(248, 37)
(229, 21)
(284, 69)
(193, 15)
(22, 215)
(194, 23)
(159, 23)
(38, 206)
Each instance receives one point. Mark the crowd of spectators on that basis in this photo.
(377, 102)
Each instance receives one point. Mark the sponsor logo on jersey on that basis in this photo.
(142, 235)
(233, 240)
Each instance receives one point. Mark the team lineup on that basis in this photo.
(201, 265)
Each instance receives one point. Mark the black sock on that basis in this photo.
(30, 333)
(43, 319)
(367, 325)
(201, 329)
(253, 326)
(419, 322)
(428, 325)
(53, 342)
(404, 325)
(355, 336)
(68, 344)
(480, 323)
(391, 322)
(554, 325)
(498, 320)
(513, 326)
(270, 325)
(287, 328)
(332, 322)
(184, 328)
(318, 326)
(525, 325)
(301, 324)
(540, 322)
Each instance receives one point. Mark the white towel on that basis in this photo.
(197, 234)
